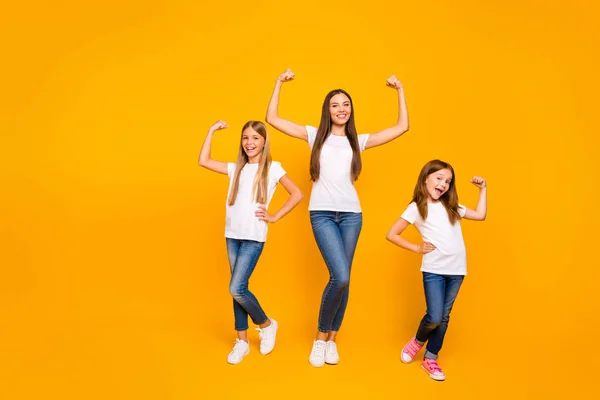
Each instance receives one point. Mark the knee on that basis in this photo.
(342, 282)
(434, 319)
(236, 290)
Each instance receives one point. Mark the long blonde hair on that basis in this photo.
(261, 180)
(448, 199)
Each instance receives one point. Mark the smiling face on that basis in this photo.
(438, 183)
(252, 143)
(340, 109)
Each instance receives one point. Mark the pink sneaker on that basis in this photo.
(410, 351)
(433, 369)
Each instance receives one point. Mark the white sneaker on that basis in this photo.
(331, 355)
(317, 355)
(240, 349)
(267, 337)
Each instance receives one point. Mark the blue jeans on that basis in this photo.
(440, 293)
(336, 234)
(243, 256)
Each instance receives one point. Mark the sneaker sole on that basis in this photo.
(241, 359)
(435, 378)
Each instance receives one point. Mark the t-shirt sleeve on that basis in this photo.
(312, 135)
(462, 210)
(362, 141)
(276, 171)
(411, 214)
(230, 169)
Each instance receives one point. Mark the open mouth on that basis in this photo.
(439, 191)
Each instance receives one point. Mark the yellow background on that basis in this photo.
(114, 273)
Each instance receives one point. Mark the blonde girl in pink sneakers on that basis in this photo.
(436, 213)
(252, 182)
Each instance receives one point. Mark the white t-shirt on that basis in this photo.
(450, 256)
(334, 190)
(241, 223)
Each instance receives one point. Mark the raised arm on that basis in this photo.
(480, 211)
(205, 160)
(389, 134)
(288, 127)
(295, 197)
(394, 237)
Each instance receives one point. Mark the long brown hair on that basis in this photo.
(448, 199)
(325, 130)
(261, 180)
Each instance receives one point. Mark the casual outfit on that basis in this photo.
(443, 271)
(245, 237)
(336, 220)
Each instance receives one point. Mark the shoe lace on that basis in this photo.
(331, 347)
(237, 347)
(318, 347)
(263, 334)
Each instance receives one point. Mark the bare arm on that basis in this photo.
(288, 127)
(480, 211)
(295, 197)
(389, 134)
(205, 160)
(394, 237)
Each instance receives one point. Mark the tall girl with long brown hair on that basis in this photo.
(252, 182)
(335, 211)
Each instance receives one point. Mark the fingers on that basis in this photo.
(220, 124)
(428, 247)
(478, 181)
(261, 213)
(287, 76)
(393, 82)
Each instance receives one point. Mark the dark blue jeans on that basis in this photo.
(243, 256)
(440, 293)
(336, 234)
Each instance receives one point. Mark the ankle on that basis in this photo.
(265, 324)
